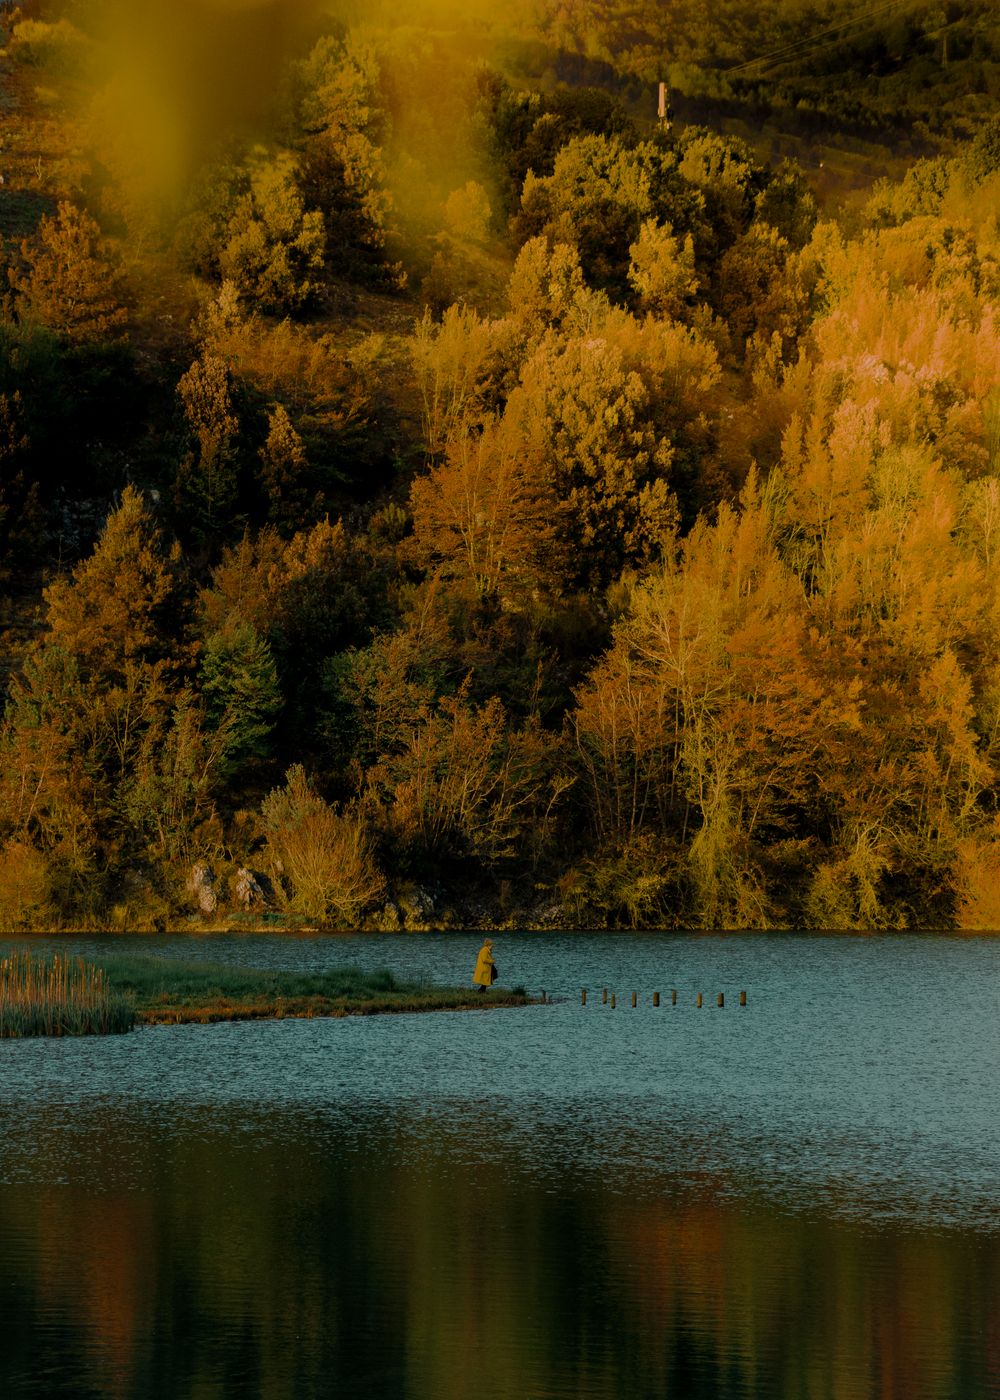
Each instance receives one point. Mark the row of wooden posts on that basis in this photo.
(719, 1001)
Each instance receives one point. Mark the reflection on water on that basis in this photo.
(268, 1255)
(798, 1201)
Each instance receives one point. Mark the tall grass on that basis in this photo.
(59, 996)
(149, 980)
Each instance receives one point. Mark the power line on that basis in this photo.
(798, 47)
(811, 39)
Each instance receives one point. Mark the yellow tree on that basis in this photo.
(275, 247)
(343, 167)
(603, 459)
(125, 603)
(465, 781)
(547, 291)
(206, 485)
(284, 469)
(661, 270)
(47, 789)
(461, 365)
(703, 722)
(486, 514)
(99, 707)
(71, 280)
(323, 861)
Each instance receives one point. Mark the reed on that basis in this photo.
(59, 996)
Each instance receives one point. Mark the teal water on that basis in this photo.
(797, 1198)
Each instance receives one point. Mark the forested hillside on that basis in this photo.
(431, 490)
(889, 70)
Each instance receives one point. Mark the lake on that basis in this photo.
(795, 1199)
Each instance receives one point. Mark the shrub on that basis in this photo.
(322, 859)
(467, 213)
(275, 247)
(24, 885)
(465, 783)
(59, 47)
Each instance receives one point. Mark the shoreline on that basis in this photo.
(216, 1012)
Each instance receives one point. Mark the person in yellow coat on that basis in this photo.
(486, 969)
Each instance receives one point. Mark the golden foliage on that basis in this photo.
(463, 781)
(324, 858)
(457, 364)
(661, 270)
(591, 415)
(977, 878)
(24, 886)
(486, 513)
(275, 247)
(467, 212)
(117, 606)
(71, 281)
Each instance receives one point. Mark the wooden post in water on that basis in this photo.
(698, 1002)
(743, 998)
(583, 997)
(722, 999)
(612, 1001)
(656, 998)
(604, 997)
(633, 1001)
(673, 997)
(543, 998)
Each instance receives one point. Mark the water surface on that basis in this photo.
(800, 1198)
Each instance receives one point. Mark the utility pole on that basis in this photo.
(663, 111)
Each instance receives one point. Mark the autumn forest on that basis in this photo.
(436, 490)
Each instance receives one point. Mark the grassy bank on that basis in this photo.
(166, 991)
(57, 996)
